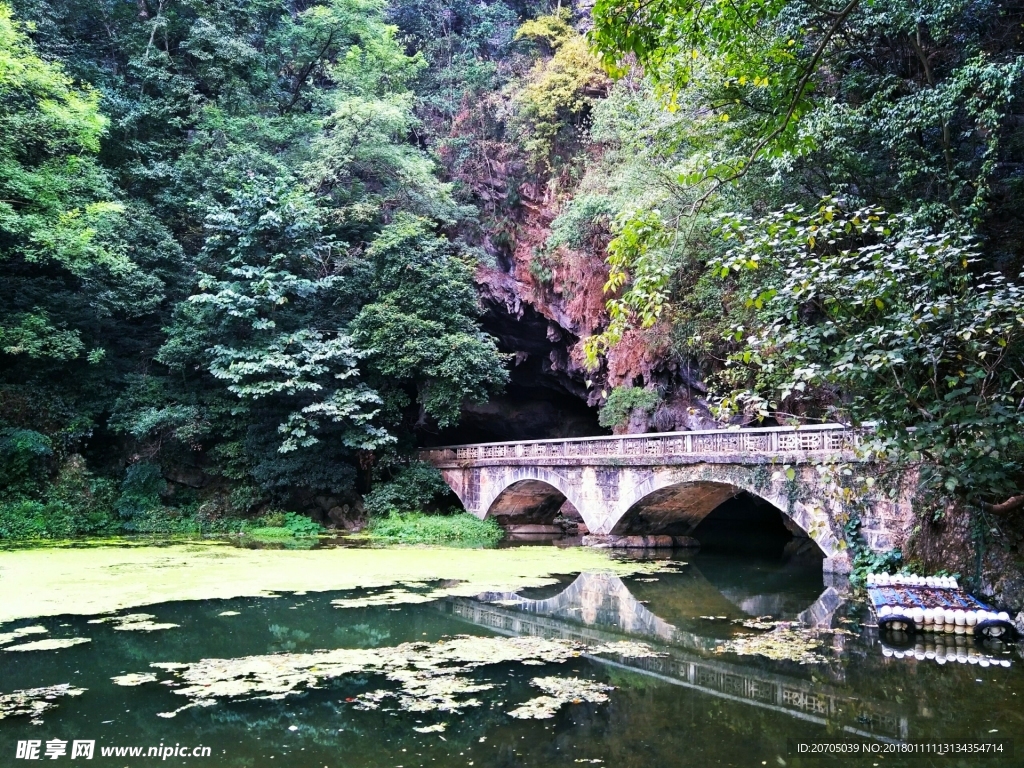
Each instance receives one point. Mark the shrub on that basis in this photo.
(282, 525)
(418, 528)
(23, 457)
(26, 519)
(623, 401)
(416, 487)
(86, 500)
(140, 495)
(22, 520)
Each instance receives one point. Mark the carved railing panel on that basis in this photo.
(765, 442)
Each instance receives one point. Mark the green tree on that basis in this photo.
(874, 319)
(422, 329)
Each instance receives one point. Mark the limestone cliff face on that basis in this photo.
(541, 300)
(542, 309)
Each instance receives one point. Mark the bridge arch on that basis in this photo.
(681, 496)
(526, 492)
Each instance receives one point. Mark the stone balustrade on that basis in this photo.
(764, 444)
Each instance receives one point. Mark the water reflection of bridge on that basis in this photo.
(599, 608)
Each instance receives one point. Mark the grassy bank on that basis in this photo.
(418, 528)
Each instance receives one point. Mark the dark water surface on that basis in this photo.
(688, 706)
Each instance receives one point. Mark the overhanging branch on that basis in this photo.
(1012, 503)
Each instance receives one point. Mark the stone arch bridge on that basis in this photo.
(646, 483)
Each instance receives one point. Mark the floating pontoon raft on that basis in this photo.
(933, 604)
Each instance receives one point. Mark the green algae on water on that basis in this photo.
(49, 582)
(429, 677)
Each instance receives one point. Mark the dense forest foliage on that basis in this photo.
(244, 246)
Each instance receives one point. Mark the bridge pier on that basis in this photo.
(643, 483)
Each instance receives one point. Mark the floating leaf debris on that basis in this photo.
(49, 645)
(10, 637)
(34, 701)
(134, 678)
(437, 728)
(785, 642)
(392, 597)
(627, 649)
(560, 691)
(134, 622)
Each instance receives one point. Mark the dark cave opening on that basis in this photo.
(541, 401)
(750, 526)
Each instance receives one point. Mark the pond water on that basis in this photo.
(647, 666)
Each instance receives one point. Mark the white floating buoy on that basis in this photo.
(1004, 662)
(1003, 616)
(918, 616)
(886, 651)
(972, 618)
(885, 610)
(898, 654)
(984, 663)
(940, 659)
(919, 655)
(872, 579)
(929, 620)
(949, 616)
